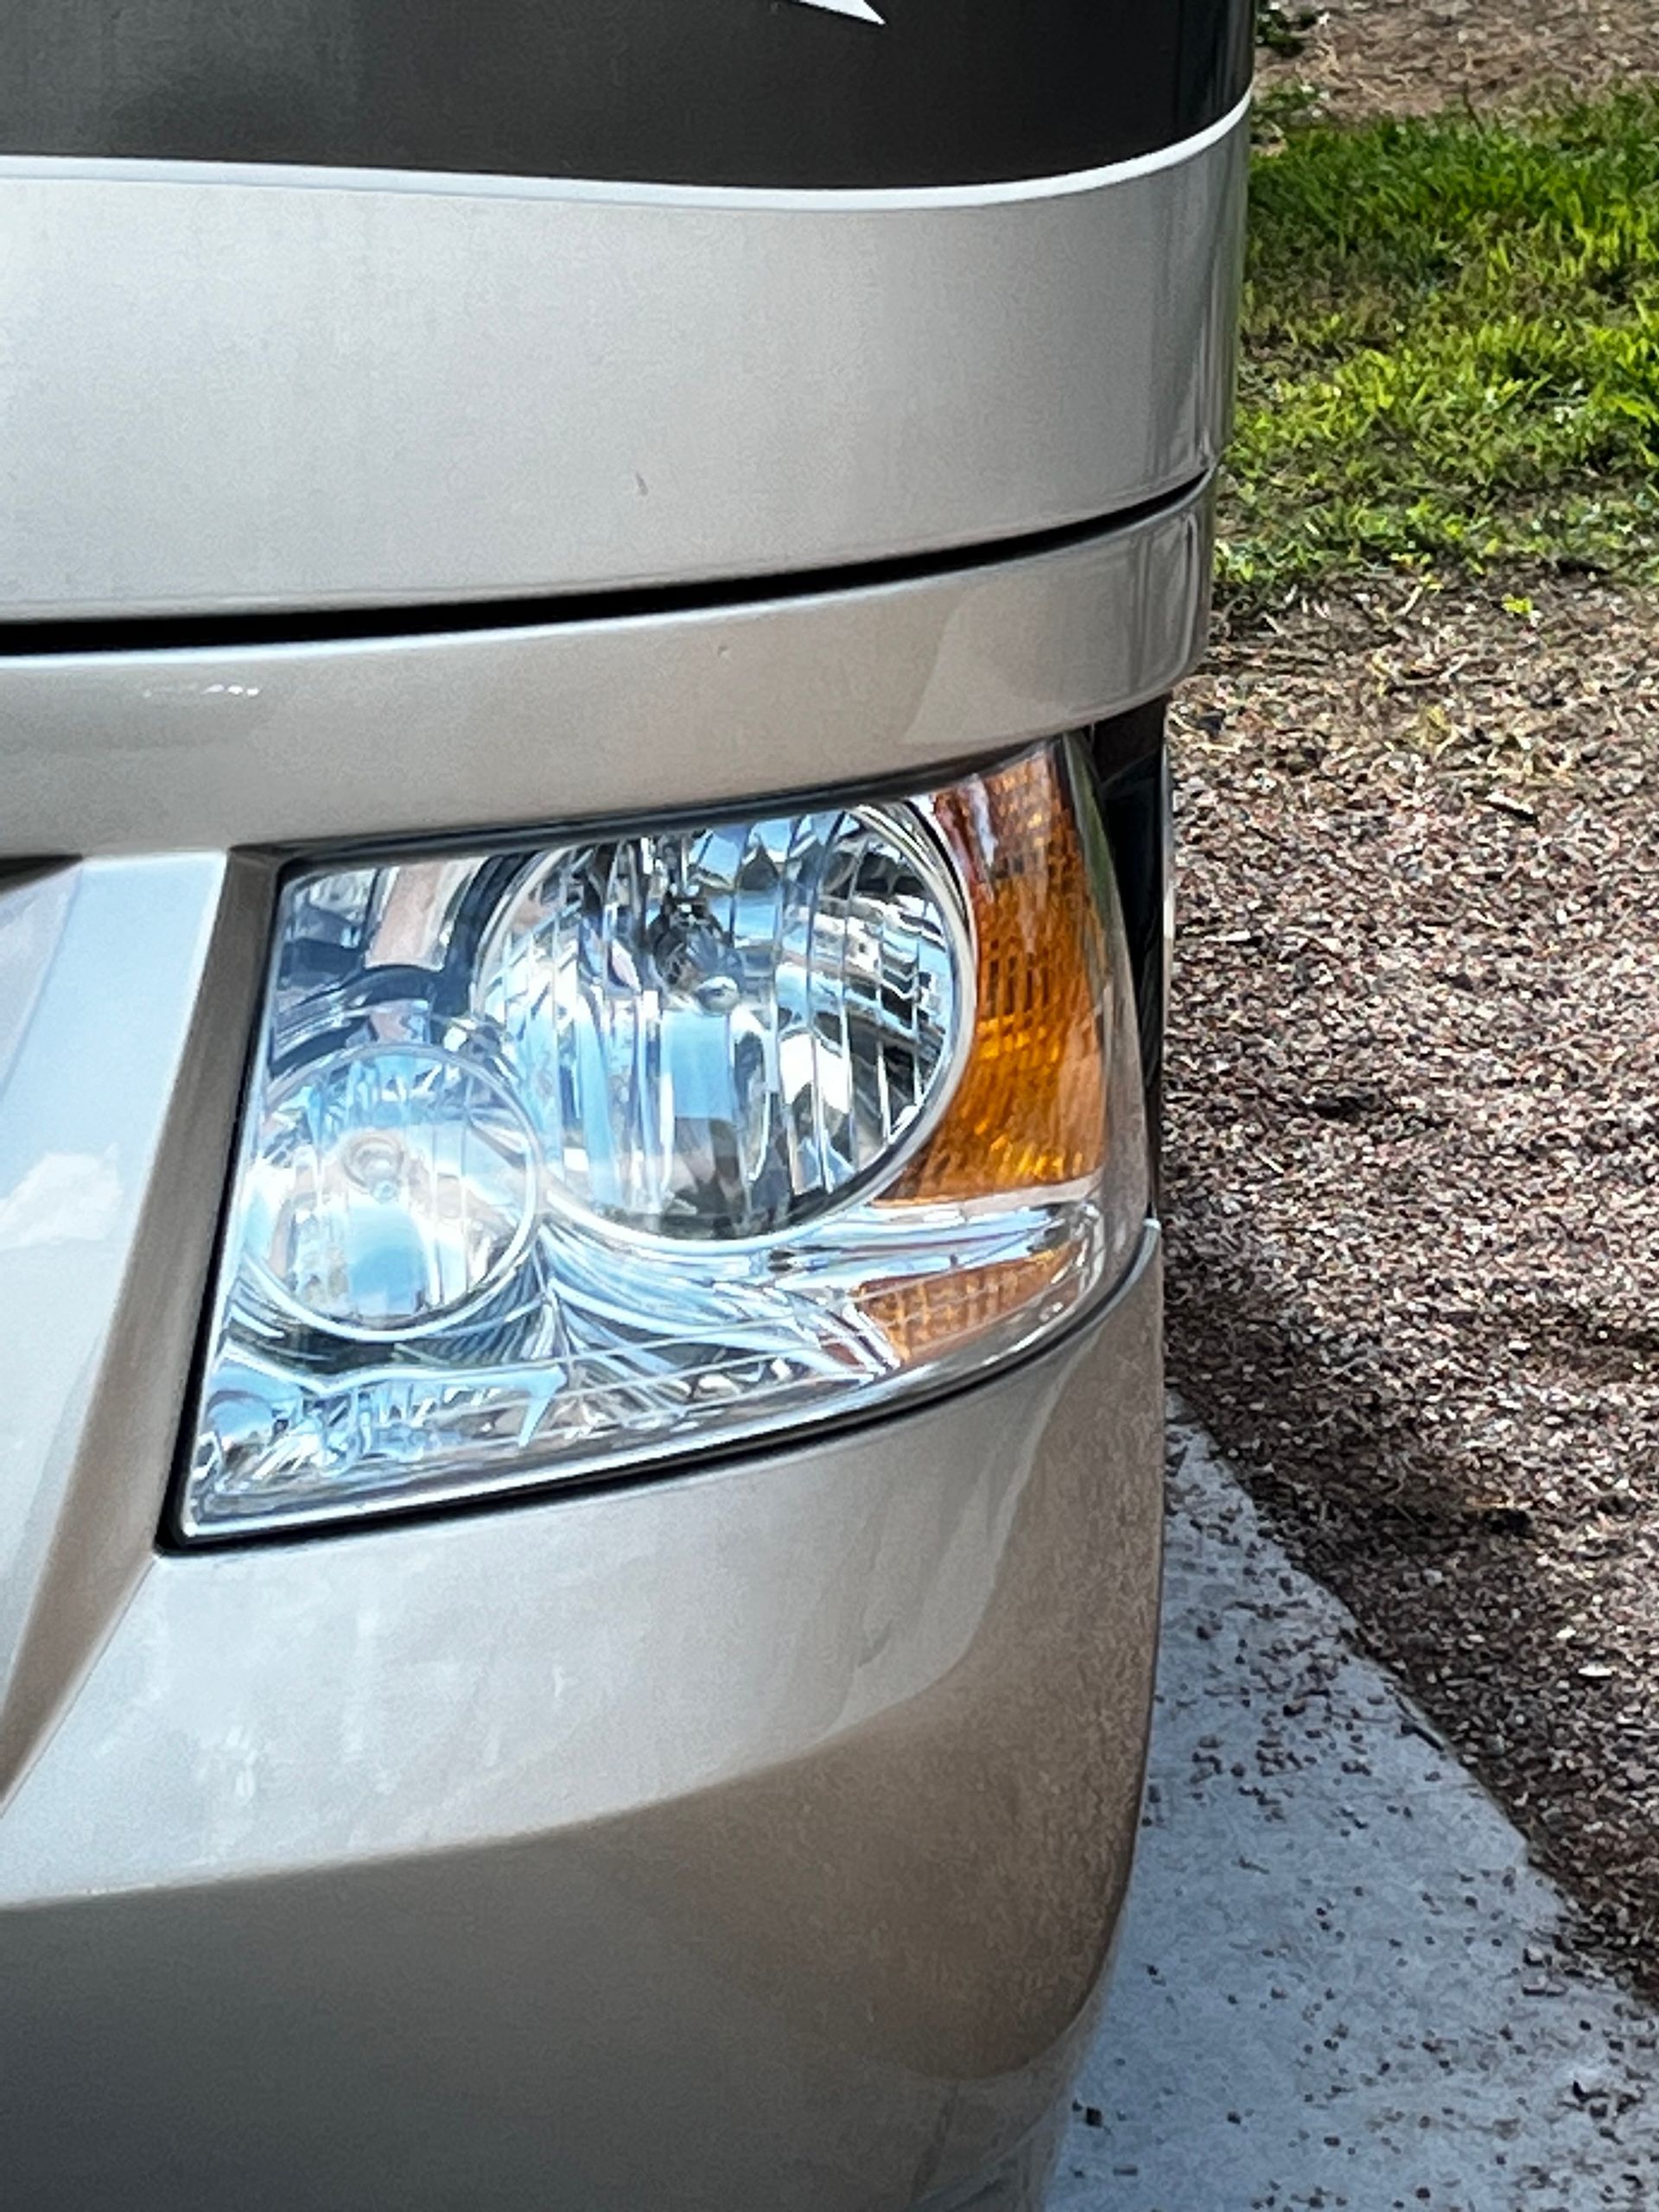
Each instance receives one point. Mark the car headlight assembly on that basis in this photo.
(562, 1161)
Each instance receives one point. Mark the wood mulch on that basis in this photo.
(1414, 57)
(1412, 1171)
(1414, 1166)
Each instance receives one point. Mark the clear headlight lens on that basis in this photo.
(719, 1033)
(391, 1187)
(565, 1159)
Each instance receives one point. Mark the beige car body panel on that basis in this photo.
(791, 1799)
(754, 1834)
(216, 747)
(484, 380)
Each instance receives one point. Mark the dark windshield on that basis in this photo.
(767, 92)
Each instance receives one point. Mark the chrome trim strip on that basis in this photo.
(212, 747)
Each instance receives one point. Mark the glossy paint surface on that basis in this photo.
(217, 745)
(332, 390)
(755, 1838)
(123, 990)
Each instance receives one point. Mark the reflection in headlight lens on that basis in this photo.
(719, 1033)
(390, 1187)
(575, 1158)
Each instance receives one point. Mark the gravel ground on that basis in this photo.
(1413, 1147)
(1412, 57)
(1339, 1982)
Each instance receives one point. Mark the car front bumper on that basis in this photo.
(752, 1836)
(749, 1838)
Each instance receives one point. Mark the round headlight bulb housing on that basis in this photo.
(392, 1190)
(722, 1034)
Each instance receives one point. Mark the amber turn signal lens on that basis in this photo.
(924, 1317)
(1029, 1111)
(1027, 1121)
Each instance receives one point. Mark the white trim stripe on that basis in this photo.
(300, 177)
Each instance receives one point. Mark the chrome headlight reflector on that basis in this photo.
(720, 1033)
(561, 1161)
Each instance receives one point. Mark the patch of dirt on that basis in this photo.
(1414, 57)
(1412, 1171)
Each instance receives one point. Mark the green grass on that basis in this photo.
(1451, 349)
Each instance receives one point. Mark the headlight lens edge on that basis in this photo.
(572, 1160)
